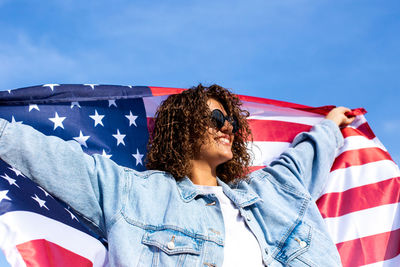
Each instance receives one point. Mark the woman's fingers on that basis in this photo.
(338, 115)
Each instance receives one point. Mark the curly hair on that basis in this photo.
(180, 126)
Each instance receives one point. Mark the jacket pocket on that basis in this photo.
(170, 247)
(294, 248)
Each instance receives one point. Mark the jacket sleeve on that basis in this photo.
(309, 159)
(89, 184)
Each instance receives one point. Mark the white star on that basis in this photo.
(131, 118)
(91, 85)
(14, 121)
(81, 139)
(57, 121)
(119, 137)
(51, 85)
(73, 104)
(97, 118)
(33, 106)
(41, 202)
(3, 195)
(130, 86)
(112, 103)
(138, 157)
(72, 215)
(17, 172)
(104, 154)
(9, 91)
(44, 191)
(10, 180)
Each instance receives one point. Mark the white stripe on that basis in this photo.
(359, 142)
(264, 153)
(22, 226)
(358, 121)
(393, 262)
(343, 179)
(151, 104)
(301, 120)
(260, 109)
(364, 223)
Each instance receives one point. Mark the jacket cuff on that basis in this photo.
(335, 130)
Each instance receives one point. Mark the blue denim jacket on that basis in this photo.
(150, 219)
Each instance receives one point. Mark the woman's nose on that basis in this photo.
(227, 128)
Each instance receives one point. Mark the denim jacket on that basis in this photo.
(150, 219)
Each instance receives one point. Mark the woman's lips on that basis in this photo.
(225, 140)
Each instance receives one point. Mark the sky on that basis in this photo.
(316, 53)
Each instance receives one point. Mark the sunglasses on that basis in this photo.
(219, 119)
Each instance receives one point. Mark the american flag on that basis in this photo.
(359, 203)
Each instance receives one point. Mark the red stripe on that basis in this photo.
(254, 168)
(150, 124)
(157, 91)
(370, 249)
(362, 130)
(360, 198)
(359, 157)
(276, 131)
(43, 253)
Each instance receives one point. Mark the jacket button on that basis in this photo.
(211, 204)
(170, 245)
(303, 244)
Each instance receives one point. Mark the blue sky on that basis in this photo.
(309, 52)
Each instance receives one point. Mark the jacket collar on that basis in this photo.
(243, 197)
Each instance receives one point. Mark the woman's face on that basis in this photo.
(217, 148)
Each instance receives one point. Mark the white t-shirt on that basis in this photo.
(241, 246)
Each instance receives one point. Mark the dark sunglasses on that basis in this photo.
(219, 119)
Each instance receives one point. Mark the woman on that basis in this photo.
(195, 206)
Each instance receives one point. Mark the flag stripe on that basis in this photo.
(363, 223)
(53, 231)
(264, 101)
(344, 179)
(324, 110)
(41, 252)
(363, 130)
(265, 152)
(285, 130)
(359, 198)
(298, 119)
(386, 263)
(359, 142)
(276, 131)
(374, 248)
(359, 157)
(160, 91)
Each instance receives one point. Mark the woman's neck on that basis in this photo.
(203, 174)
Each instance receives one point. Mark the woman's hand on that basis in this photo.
(338, 116)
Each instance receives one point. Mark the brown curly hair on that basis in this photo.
(181, 122)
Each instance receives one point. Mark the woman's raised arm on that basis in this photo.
(89, 184)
